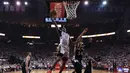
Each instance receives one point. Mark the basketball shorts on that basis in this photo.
(64, 58)
(24, 70)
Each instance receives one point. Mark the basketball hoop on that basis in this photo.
(71, 7)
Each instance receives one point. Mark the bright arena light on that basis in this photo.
(71, 37)
(86, 3)
(128, 30)
(2, 34)
(98, 35)
(18, 3)
(6, 3)
(53, 26)
(104, 2)
(31, 37)
(26, 3)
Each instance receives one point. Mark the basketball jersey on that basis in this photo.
(79, 51)
(78, 54)
(64, 43)
(24, 63)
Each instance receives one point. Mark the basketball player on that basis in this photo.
(114, 66)
(88, 61)
(77, 58)
(63, 47)
(26, 63)
(78, 53)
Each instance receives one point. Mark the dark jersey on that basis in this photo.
(78, 54)
(114, 65)
(24, 66)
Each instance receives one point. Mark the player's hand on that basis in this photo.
(86, 29)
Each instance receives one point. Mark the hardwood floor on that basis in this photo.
(69, 71)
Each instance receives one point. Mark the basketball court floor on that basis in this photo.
(69, 71)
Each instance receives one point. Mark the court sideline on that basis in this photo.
(69, 71)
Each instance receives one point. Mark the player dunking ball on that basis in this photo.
(63, 54)
(26, 63)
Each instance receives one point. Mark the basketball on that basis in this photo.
(53, 13)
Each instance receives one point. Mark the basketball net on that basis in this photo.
(71, 7)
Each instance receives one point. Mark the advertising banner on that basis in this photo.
(59, 8)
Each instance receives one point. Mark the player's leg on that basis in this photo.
(57, 60)
(23, 70)
(64, 60)
(53, 66)
(77, 66)
(88, 68)
(80, 66)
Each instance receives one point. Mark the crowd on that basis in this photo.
(105, 58)
(120, 55)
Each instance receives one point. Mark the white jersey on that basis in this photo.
(64, 43)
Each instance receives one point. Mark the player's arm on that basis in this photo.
(52, 18)
(26, 66)
(74, 49)
(80, 36)
(56, 25)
